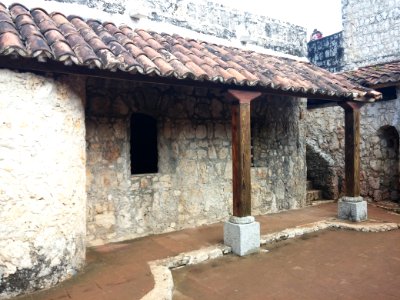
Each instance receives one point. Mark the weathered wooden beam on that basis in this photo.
(241, 151)
(352, 147)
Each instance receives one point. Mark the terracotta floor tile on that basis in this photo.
(120, 271)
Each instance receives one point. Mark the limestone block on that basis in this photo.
(355, 211)
(243, 238)
(106, 220)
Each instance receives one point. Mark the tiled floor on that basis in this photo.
(340, 264)
(120, 271)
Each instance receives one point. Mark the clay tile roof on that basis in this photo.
(375, 75)
(36, 34)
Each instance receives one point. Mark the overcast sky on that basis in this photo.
(325, 15)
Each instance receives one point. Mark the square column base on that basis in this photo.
(353, 209)
(242, 235)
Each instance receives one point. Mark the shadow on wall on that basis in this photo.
(320, 170)
(386, 164)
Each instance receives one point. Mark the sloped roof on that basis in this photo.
(375, 75)
(89, 43)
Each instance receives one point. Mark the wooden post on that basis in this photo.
(241, 152)
(352, 147)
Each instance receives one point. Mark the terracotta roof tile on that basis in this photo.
(196, 70)
(74, 41)
(181, 71)
(212, 73)
(134, 50)
(209, 61)
(154, 44)
(168, 56)
(238, 77)
(10, 43)
(151, 53)
(375, 75)
(165, 68)
(178, 48)
(146, 64)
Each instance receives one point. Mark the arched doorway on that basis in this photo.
(389, 172)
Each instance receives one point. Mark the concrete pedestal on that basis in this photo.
(242, 235)
(353, 209)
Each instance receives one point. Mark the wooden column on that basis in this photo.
(352, 147)
(241, 152)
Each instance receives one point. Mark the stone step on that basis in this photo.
(313, 195)
(309, 185)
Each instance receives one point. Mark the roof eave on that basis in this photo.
(50, 66)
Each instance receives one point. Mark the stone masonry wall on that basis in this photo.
(193, 185)
(213, 19)
(42, 181)
(328, 52)
(325, 135)
(371, 31)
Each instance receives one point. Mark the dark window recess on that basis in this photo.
(388, 93)
(144, 154)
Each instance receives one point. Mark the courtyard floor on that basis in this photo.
(322, 265)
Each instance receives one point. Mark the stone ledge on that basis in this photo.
(244, 238)
(351, 208)
(161, 269)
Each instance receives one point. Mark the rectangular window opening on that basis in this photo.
(144, 152)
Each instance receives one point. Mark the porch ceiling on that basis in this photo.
(73, 45)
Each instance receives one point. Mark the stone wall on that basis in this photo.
(211, 19)
(328, 52)
(379, 164)
(371, 35)
(371, 31)
(42, 186)
(193, 185)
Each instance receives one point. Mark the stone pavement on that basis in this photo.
(121, 271)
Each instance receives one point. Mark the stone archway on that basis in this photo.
(388, 151)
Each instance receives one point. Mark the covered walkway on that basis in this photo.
(121, 270)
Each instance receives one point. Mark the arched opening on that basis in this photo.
(144, 152)
(388, 152)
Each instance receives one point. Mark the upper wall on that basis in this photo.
(371, 32)
(208, 18)
(328, 52)
(42, 186)
(371, 35)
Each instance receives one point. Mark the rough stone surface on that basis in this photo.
(163, 281)
(328, 52)
(110, 6)
(42, 186)
(380, 125)
(355, 211)
(212, 19)
(218, 20)
(242, 238)
(371, 31)
(371, 35)
(321, 170)
(193, 186)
